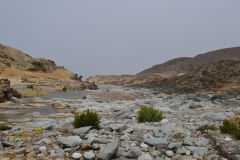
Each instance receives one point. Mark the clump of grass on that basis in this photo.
(87, 119)
(207, 127)
(4, 127)
(64, 89)
(231, 126)
(149, 114)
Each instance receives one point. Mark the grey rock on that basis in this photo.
(145, 157)
(134, 152)
(156, 141)
(195, 105)
(157, 133)
(175, 145)
(168, 128)
(197, 151)
(49, 134)
(7, 144)
(214, 116)
(170, 153)
(43, 149)
(108, 151)
(47, 140)
(188, 141)
(118, 127)
(124, 114)
(76, 155)
(71, 141)
(202, 142)
(82, 130)
(89, 155)
(181, 151)
(156, 153)
(1, 146)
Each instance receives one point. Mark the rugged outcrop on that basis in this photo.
(37, 75)
(184, 65)
(212, 71)
(220, 76)
(6, 93)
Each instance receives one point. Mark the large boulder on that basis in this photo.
(6, 93)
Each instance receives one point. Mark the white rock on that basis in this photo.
(143, 145)
(170, 153)
(228, 139)
(43, 149)
(164, 121)
(89, 155)
(76, 155)
(145, 157)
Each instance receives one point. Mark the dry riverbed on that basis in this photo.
(42, 127)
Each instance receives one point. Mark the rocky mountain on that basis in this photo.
(30, 75)
(210, 71)
(184, 65)
(220, 76)
(14, 59)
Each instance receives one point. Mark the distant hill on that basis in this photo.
(223, 75)
(184, 65)
(215, 70)
(16, 63)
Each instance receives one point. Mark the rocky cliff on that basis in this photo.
(36, 76)
(6, 93)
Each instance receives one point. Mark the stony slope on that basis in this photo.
(187, 64)
(28, 74)
(210, 71)
(220, 76)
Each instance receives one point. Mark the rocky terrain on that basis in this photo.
(213, 71)
(36, 76)
(41, 135)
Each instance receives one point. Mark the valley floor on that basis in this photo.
(42, 127)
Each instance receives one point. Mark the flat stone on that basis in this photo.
(157, 133)
(108, 151)
(170, 153)
(43, 149)
(89, 155)
(202, 142)
(76, 155)
(145, 157)
(47, 140)
(156, 141)
(197, 151)
(71, 141)
(82, 130)
(49, 134)
(168, 128)
(188, 141)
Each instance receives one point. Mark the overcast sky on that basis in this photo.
(102, 37)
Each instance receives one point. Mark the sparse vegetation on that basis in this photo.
(4, 127)
(231, 126)
(87, 119)
(149, 114)
(64, 89)
(207, 127)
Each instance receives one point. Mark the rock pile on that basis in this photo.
(178, 136)
(6, 93)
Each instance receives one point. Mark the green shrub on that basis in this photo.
(64, 89)
(4, 127)
(149, 114)
(207, 127)
(87, 119)
(231, 127)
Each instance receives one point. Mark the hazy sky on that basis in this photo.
(95, 37)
